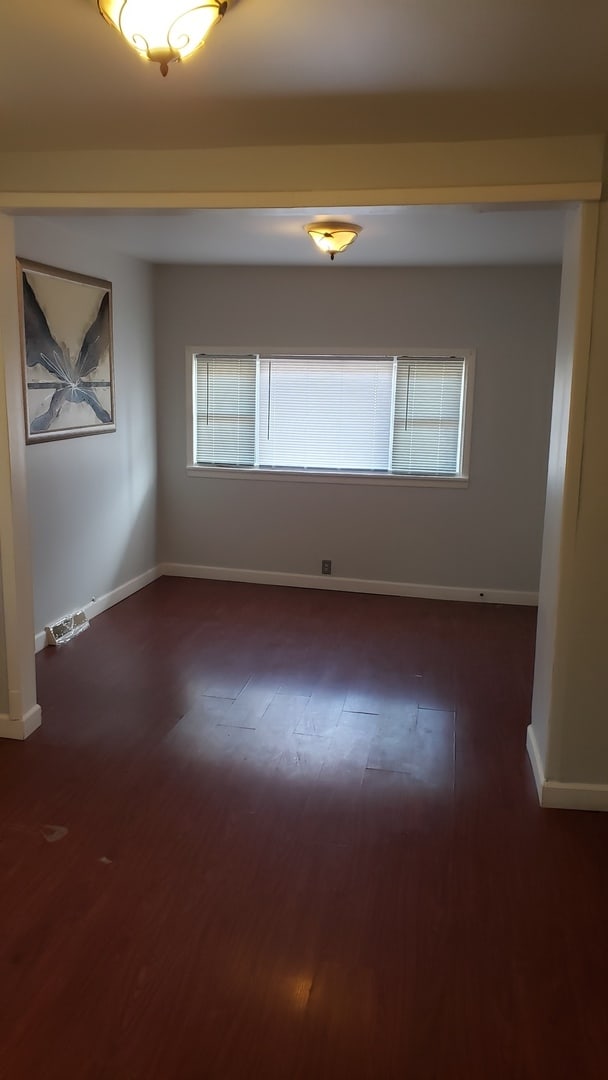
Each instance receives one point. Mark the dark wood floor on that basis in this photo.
(276, 833)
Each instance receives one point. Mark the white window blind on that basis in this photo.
(325, 413)
(427, 430)
(392, 415)
(225, 409)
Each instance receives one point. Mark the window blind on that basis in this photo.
(225, 410)
(402, 415)
(325, 413)
(428, 412)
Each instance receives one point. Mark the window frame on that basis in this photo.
(291, 475)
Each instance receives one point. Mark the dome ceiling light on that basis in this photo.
(332, 237)
(163, 31)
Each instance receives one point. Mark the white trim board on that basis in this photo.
(108, 600)
(344, 584)
(558, 795)
(23, 726)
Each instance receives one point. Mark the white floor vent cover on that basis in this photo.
(67, 628)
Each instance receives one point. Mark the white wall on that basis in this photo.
(562, 505)
(569, 734)
(486, 536)
(93, 499)
(568, 737)
(580, 751)
(3, 665)
(23, 713)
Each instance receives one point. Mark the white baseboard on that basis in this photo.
(22, 727)
(558, 795)
(561, 796)
(535, 761)
(108, 600)
(343, 584)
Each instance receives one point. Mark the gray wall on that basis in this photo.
(93, 499)
(487, 535)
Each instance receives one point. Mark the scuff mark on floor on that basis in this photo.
(53, 833)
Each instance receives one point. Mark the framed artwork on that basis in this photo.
(66, 336)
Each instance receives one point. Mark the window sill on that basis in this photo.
(319, 477)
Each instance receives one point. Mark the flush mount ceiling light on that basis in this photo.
(163, 30)
(332, 237)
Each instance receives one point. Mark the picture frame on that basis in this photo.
(67, 352)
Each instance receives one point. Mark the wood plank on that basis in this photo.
(250, 877)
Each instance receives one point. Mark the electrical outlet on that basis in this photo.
(326, 566)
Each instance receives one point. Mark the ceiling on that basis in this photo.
(392, 235)
(308, 72)
(313, 72)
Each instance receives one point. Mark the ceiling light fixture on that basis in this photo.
(332, 237)
(163, 31)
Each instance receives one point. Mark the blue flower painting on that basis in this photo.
(67, 347)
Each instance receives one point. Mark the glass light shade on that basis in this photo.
(163, 30)
(332, 237)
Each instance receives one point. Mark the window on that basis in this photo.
(371, 416)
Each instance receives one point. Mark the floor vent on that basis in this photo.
(67, 628)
